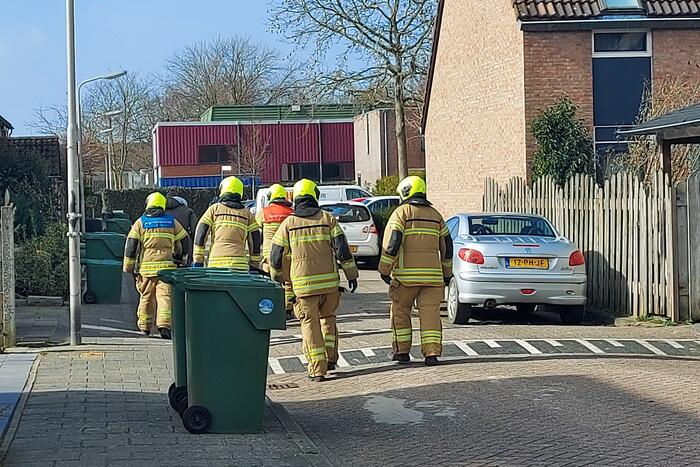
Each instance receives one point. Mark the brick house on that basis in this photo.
(376, 152)
(497, 64)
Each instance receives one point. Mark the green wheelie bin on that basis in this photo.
(104, 245)
(117, 225)
(104, 281)
(228, 319)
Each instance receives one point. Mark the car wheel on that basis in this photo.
(457, 313)
(572, 314)
(526, 308)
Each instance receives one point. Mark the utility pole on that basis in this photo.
(73, 184)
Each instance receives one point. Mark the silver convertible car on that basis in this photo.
(513, 259)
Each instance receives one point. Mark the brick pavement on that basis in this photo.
(539, 413)
(107, 406)
(14, 369)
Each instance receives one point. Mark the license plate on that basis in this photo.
(353, 249)
(527, 263)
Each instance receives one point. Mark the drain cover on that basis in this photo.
(278, 387)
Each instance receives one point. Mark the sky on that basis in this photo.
(111, 35)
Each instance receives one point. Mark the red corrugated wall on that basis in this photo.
(178, 145)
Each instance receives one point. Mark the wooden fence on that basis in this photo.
(688, 202)
(625, 229)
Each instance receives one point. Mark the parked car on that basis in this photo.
(513, 259)
(355, 220)
(327, 193)
(380, 204)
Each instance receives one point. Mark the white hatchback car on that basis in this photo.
(513, 259)
(356, 221)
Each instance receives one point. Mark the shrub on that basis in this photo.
(41, 264)
(564, 147)
(386, 186)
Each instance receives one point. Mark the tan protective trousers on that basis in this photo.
(316, 315)
(155, 300)
(427, 300)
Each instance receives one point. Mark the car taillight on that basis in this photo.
(373, 229)
(471, 256)
(577, 259)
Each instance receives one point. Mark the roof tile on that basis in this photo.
(582, 9)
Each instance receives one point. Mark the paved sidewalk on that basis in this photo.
(14, 371)
(107, 406)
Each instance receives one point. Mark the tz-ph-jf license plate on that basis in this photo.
(353, 249)
(527, 263)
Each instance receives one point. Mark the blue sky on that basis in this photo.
(137, 35)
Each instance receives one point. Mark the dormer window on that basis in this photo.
(621, 5)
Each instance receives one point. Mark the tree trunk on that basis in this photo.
(401, 144)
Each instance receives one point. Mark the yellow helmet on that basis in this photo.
(411, 186)
(276, 191)
(305, 187)
(231, 185)
(155, 200)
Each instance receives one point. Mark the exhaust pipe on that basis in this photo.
(490, 304)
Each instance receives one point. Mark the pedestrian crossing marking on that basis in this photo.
(523, 347)
(589, 346)
(466, 349)
(614, 343)
(649, 347)
(493, 344)
(527, 346)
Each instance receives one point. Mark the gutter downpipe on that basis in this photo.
(386, 143)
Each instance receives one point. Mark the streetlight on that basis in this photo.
(73, 185)
(111, 76)
(110, 145)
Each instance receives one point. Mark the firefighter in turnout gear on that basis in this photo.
(270, 218)
(155, 242)
(232, 228)
(417, 249)
(316, 244)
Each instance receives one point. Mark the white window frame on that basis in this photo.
(630, 53)
(605, 7)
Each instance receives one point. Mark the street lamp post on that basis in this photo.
(73, 184)
(109, 174)
(80, 139)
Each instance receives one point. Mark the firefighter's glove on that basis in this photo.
(446, 280)
(197, 265)
(353, 285)
(386, 278)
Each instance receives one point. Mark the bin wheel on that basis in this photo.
(180, 399)
(171, 389)
(196, 419)
(89, 297)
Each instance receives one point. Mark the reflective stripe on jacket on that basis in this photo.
(231, 229)
(417, 246)
(315, 245)
(151, 244)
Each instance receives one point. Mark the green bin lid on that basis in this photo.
(103, 262)
(112, 240)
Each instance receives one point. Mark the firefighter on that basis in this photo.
(269, 219)
(154, 242)
(315, 243)
(232, 227)
(417, 249)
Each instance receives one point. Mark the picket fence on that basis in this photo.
(625, 228)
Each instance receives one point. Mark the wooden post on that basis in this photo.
(682, 260)
(673, 252)
(666, 157)
(7, 274)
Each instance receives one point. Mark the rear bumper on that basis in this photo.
(571, 291)
(367, 248)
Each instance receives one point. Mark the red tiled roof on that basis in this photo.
(586, 9)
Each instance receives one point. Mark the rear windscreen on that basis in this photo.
(348, 213)
(510, 225)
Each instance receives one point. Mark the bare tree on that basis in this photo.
(224, 71)
(393, 37)
(255, 154)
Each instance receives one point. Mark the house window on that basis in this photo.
(621, 43)
(216, 154)
(341, 171)
(621, 5)
(294, 172)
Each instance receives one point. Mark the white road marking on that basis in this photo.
(341, 361)
(650, 347)
(493, 344)
(614, 343)
(368, 353)
(554, 343)
(111, 320)
(302, 359)
(466, 349)
(275, 366)
(589, 346)
(109, 329)
(527, 346)
(673, 344)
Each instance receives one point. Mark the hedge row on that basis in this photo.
(133, 202)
